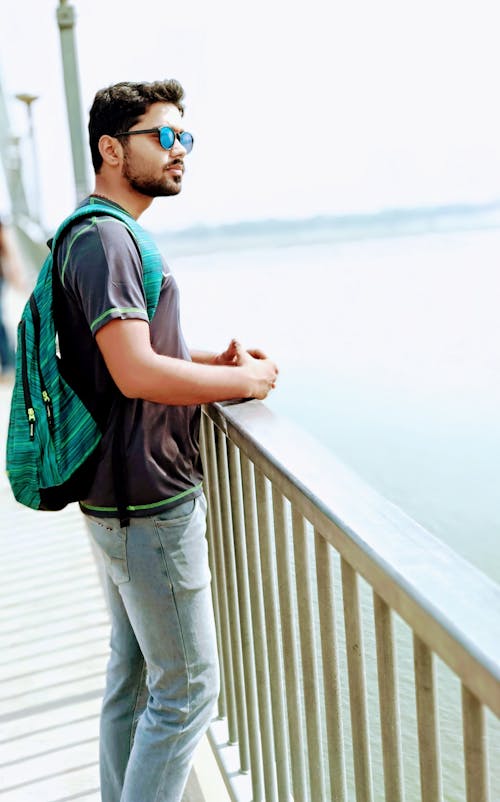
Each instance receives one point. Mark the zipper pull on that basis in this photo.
(31, 419)
(48, 408)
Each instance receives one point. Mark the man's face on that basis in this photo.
(150, 169)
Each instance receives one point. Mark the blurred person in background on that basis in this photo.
(11, 272)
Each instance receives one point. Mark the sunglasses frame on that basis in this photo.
(158, 131)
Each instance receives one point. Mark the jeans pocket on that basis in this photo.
(185, 548)
(178, 515)
(111, 542)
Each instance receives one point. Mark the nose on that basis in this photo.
(177, 149)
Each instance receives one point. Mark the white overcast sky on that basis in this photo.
(298, 108)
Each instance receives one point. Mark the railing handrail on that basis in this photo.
(449, 603)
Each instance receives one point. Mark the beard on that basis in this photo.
(149, 185)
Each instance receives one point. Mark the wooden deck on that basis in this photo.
(53, 639)
(53, 651)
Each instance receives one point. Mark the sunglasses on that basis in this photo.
(167, 137)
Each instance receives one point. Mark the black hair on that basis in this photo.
(118, 107)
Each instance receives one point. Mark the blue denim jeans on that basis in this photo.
(162, 678)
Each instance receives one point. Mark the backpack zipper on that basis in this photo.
(45, 396)
(30, 412)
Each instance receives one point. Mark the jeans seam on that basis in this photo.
(188, 673)
(142, 680)
(186, 663)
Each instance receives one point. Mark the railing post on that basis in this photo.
(243, 595)
(276, 668)
(357, 685)
(475, 752)
(290, 637)
(309, 657)
(257, 575)
(213, 535)
(222, 588)
(427, 717)
(334, 729)
(232, 593)
(389, 706)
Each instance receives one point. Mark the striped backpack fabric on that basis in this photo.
(52, 438)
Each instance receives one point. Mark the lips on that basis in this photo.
(177, 168)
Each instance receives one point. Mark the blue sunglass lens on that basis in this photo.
(167, 139)
(186, 141)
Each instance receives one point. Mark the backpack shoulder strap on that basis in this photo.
(150, 256)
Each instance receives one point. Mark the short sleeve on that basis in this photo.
(99, 263)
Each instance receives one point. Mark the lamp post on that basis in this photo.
(66, 22)
(28, 101)
(11, 162)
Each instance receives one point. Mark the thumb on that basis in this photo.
(236, 347)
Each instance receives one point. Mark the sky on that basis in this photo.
(298, 108)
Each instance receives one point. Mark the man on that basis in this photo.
(140, 377)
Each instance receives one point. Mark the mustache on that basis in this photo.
(176, 163)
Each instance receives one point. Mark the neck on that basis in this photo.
(101, 197)
(133, 202)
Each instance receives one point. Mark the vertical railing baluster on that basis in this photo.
(256, 578)
(290, 651)
(243, 596)
(211, 490)
(389, 704)
(309, 655)
(331, 681)
(357, 685)
(427, 718)
(232, 589)
(227, 671)
(270, 583)
(475, 748)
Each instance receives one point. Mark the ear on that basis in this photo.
(110, 150)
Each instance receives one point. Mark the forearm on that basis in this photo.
(178, 382)
(203, 357)
(139, 372)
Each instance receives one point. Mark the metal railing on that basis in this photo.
(360, 656)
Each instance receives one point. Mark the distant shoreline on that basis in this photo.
(324, 228)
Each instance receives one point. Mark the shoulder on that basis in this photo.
(98, 243)
(94, 230)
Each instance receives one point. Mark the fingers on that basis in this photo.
(230, 355)
(237, 355)
(257, 353)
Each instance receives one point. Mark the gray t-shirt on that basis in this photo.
(101, 279)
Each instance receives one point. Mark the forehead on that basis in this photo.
(160, 114)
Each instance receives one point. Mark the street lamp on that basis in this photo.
(28, 101)
(66, 22)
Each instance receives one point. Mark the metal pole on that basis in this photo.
(28, 100)
(66, 22)
(13, 174)
(11, 161)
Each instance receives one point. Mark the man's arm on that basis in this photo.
(139, 372)
(204, 357)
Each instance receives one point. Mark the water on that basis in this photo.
(389, 352)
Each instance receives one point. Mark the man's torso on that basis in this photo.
(101, 280)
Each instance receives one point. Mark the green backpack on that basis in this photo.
(52, 441)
